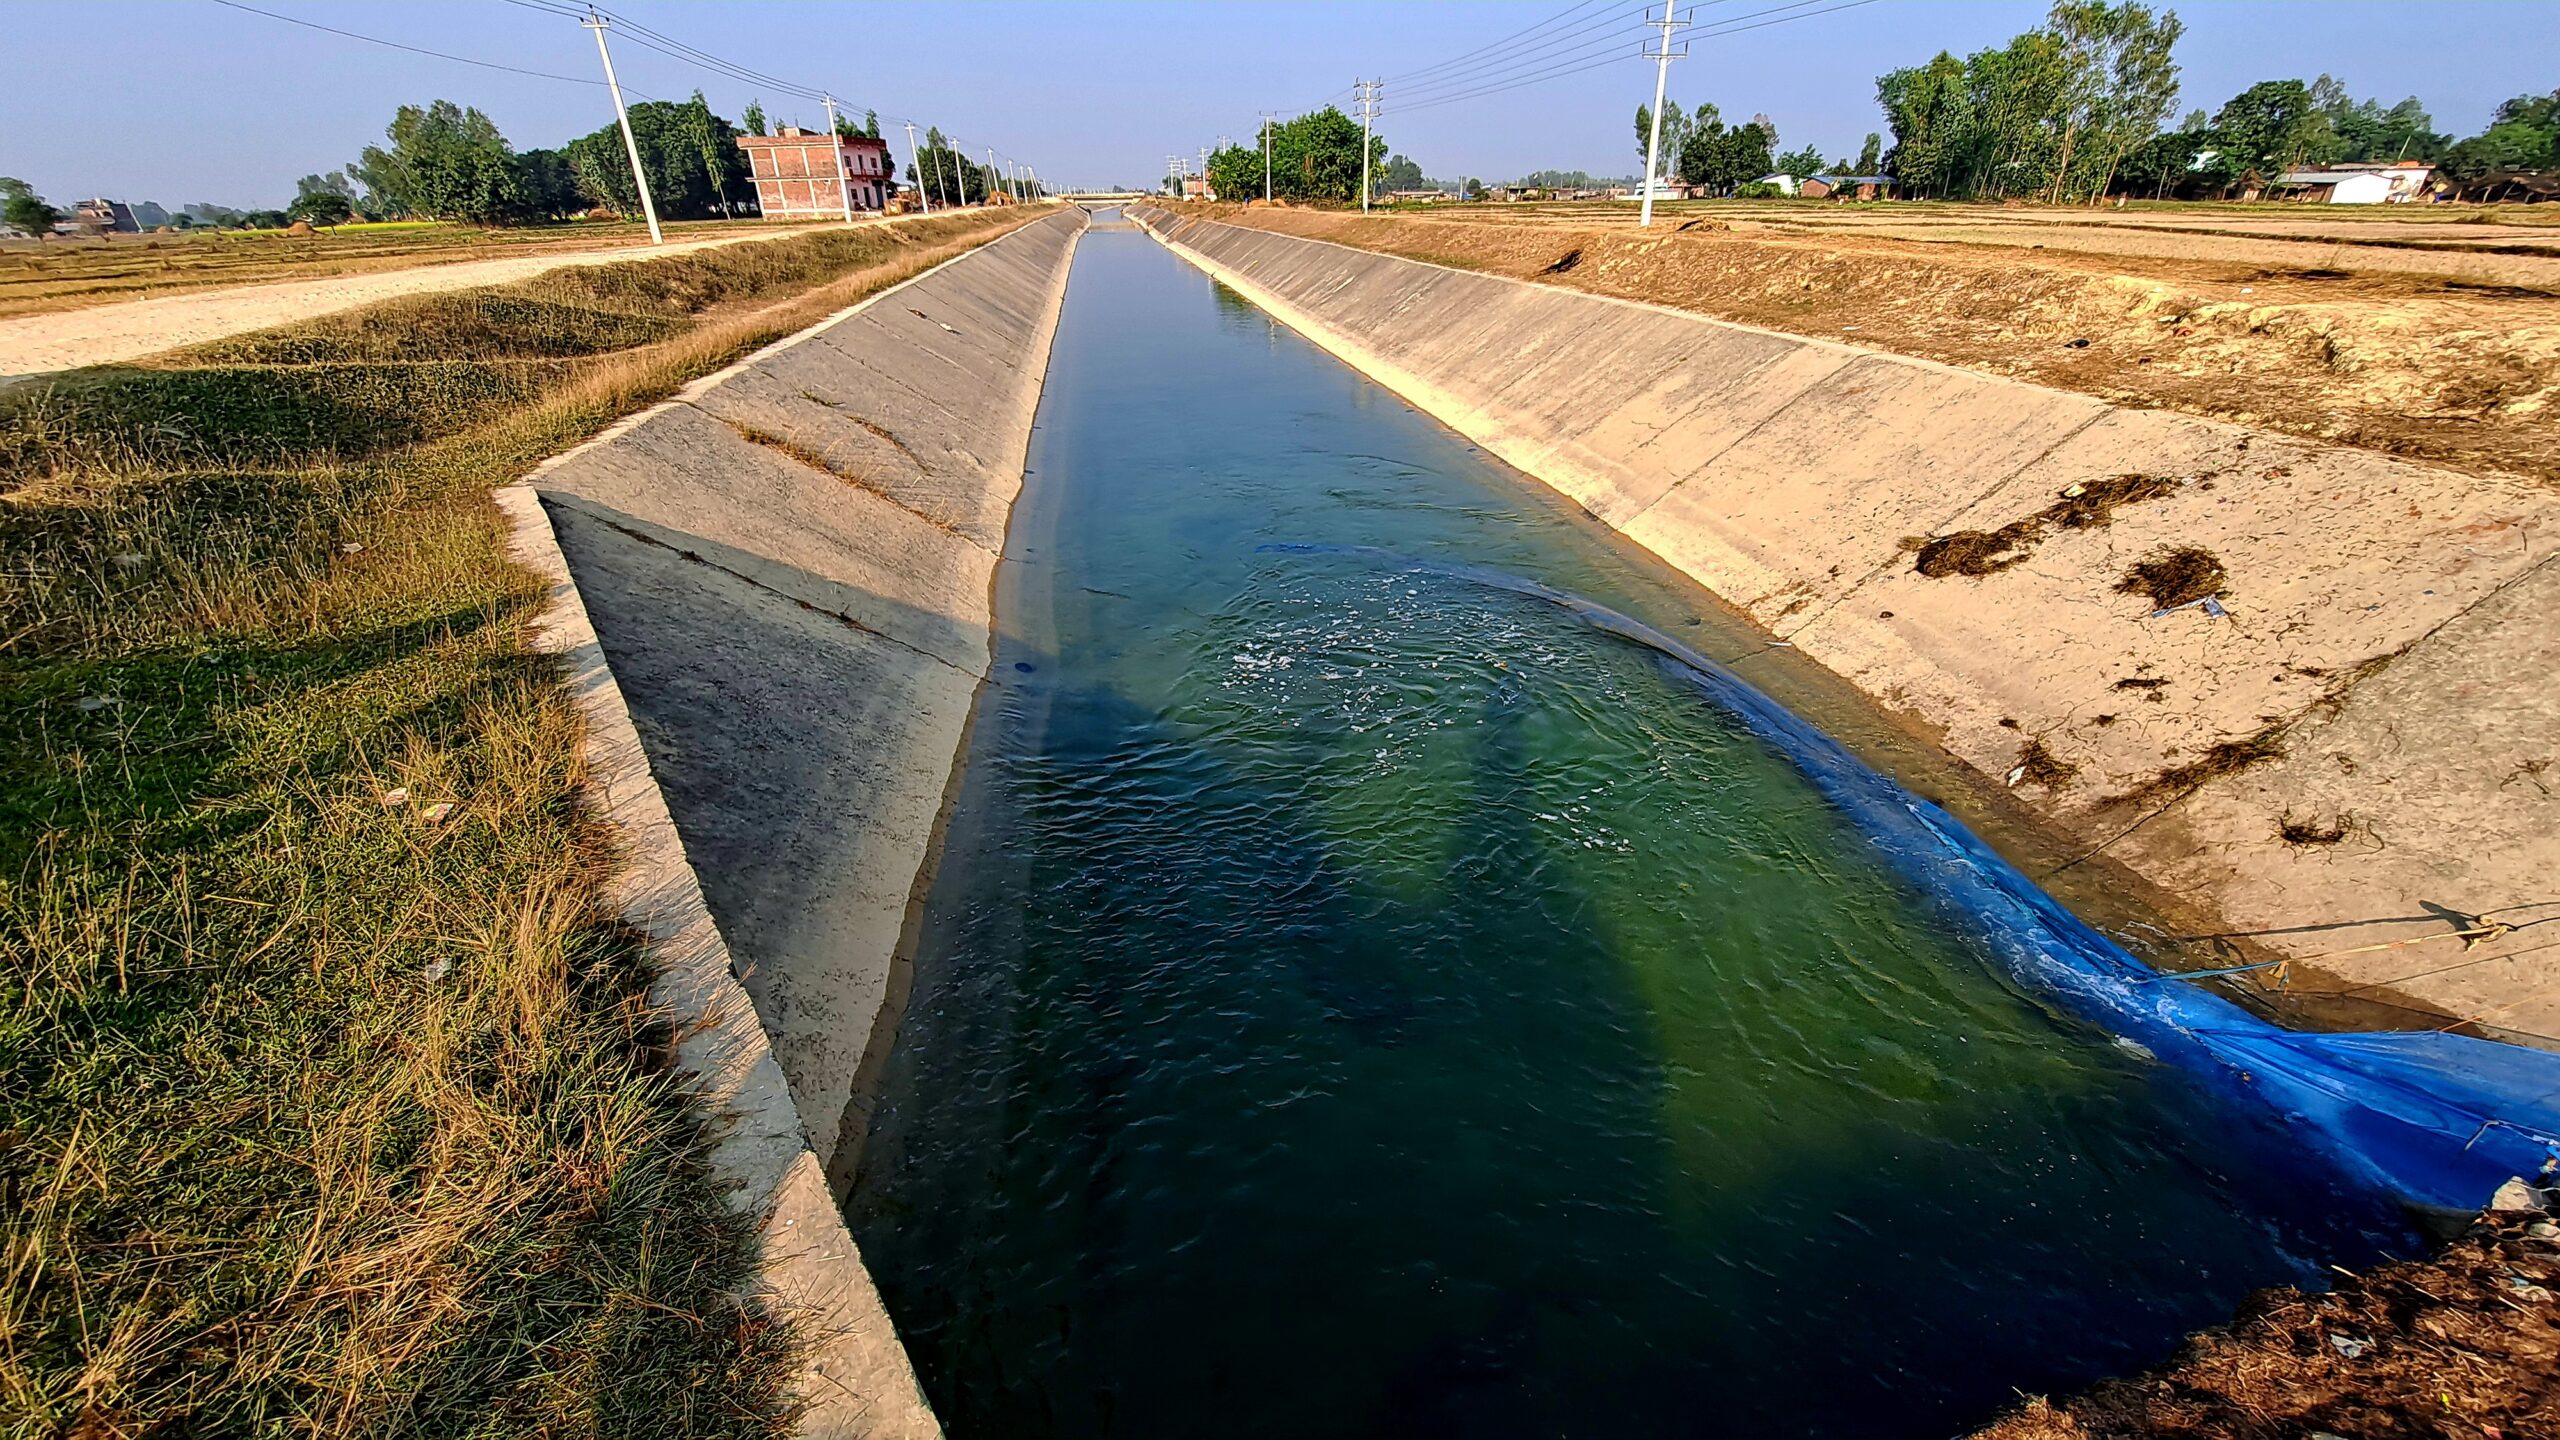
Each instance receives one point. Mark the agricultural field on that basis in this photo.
(36, 277)
(2428, 332)
(332, 1100)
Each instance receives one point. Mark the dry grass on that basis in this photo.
(36, 277)
(330, 1103)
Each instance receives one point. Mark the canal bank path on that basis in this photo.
(111, 334)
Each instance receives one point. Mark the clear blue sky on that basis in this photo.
(185, 100)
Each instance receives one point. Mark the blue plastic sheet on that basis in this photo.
(2433, 1119)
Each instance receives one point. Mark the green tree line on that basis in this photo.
(1315, 160)
(2079, 108)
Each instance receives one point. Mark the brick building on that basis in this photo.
(795, 174)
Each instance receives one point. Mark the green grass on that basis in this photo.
(323, 1111)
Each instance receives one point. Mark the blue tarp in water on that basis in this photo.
(2433, 1119)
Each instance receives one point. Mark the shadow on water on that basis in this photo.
(1357, 1002)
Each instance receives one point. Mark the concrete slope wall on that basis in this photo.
(2376, 674)
(787, 571)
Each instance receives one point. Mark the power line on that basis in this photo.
(1624, 35)
(412, 49)
(1544, 49)
(1728, 26)
(1412, 75)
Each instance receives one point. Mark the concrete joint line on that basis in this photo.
(1721, 451)
(696, 389)
(1988, 491)
(570, 502)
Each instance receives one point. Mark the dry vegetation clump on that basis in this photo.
(330, 1099)
(2465, 1346)
(2177, 575)
(2088, 505)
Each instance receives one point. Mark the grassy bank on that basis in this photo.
(329, 1100)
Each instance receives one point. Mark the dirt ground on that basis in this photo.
(2437, 339)
(2464, 1345)
(41, 276)
(213, 302)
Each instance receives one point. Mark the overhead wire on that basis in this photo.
(1730, 25)
(1626, 35)
(1503, 43)
(412, 49)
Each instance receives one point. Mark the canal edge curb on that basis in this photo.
(855, 1379)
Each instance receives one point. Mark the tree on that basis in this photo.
(2115, 86)
(2268, 129)
(1315, 160)
(24, 209)
(944, 174)
(1722, 158)
(1399, 173)
(547, 185)
(1869, 155)
(1930, 111)
(1475, 188)
(754, 116)
(1799, 163)
(871, 124)
(322, 207)
(690, 155)
(1677, 127)
(445, 162)
(2523, 134)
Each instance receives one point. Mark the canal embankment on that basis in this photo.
(2293, 686)
(773, 591)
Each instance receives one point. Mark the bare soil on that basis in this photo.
(2463, 1345)
(2434, 339)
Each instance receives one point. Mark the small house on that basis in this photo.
(2359, 184)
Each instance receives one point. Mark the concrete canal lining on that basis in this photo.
(774, 595)
(2351, 750)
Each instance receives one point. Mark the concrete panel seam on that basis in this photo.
(2030, 463)
(696, 389)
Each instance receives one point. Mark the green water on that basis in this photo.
(1361, 1002)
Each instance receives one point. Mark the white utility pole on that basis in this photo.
(911, 159)
(960, 174)
(1269, 117)
(835, 145)
(992, 176)
(1368, 117)
(1173, 174)
(1661, 80)
(631, 147)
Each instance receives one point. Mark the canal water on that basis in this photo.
(1360, 1000)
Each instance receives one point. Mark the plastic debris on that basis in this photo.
(435, 814)
(90, 704)
(436, 969)
(2350, 1346)
(395, 797)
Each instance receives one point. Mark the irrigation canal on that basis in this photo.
(1361, 999)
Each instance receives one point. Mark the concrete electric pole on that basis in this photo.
(1269, 117)
(630, 147)
(919, 168)
(1368, 117)
(835, 143)
(1661, 80)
